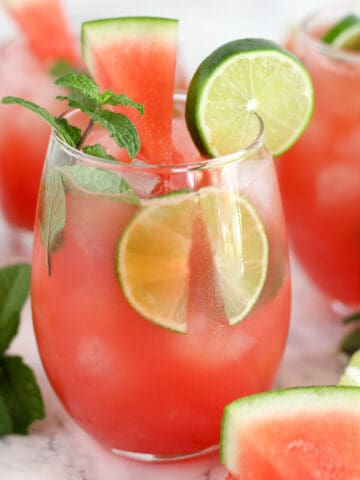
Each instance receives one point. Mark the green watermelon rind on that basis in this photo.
(103, 32)
(289, 402)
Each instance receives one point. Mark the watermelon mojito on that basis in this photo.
(173, 264)
(25, 65)
(320, 176)
(142, 352)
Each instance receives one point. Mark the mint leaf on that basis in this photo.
(52, 214)
(93, 180)
(108, 97)
(6, 425)
(61, 68)
(81, 82)
(120, 128)
(20, 394)
(78, 100)
(97, 150)
(355, 317)
(14, 290)
(68, 133)
(351, 342)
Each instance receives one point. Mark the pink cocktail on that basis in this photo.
(320, 176)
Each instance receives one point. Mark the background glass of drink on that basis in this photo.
(139, 388)
(320, 176)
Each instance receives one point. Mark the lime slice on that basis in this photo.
(351, 375)
(239, 78)
(154, 251)
(345, 34)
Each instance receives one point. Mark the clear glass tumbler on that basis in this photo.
(320, 175)
(159, 293)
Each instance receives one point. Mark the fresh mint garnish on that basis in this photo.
(52, 212)
(20, 398)
(120, 128)
(94, 180)
(70, 134)
(60, 68)
(354, 317)
(14, 289)
(85, 95)
(99, 151)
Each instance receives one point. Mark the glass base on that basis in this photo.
(149, 457)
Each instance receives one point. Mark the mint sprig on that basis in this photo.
(20, 398)
(85, 95)
(68, 133)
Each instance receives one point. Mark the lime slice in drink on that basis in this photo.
(153, 258)
(351, 375)
(238, 79)
(345, 34)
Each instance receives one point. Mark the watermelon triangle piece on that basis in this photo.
(298, 433)
(44, 24)
(137, 56)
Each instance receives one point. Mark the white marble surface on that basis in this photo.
(57, 449)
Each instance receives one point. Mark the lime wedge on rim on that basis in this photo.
(345, 34)
(239, 78)
(153, 255)
(351, 375)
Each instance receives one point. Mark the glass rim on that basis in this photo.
(205, 164)
(326, 49)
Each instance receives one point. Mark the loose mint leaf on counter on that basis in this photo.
(81, 82)
(68, 133)
(108, 97)
(14, 290)
(6, 425)
(97, 150)
(120, 128)
(20, 394)
(52, 214)
(94, 180)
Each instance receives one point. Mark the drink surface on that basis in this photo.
(137, 386)
(320, 176)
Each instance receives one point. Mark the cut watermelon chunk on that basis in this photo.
(44, 24)
(137, 56)
(310, 433)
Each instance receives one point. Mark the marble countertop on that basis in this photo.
(57, 449)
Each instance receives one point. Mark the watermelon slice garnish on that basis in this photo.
(44, 24)
(137, 56)
(304, 433)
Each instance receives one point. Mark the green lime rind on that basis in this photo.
(351, 375)
(345, 34)
(103, 32)
(289, 403)
(240, 73)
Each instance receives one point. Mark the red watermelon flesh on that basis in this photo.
(309, 433)
(44, 24)
(137, 56)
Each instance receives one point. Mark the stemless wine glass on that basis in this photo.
(320, 175)
(159, 293)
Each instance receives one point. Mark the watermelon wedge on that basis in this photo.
(137, 56)
(304, 433)
(44, 24)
